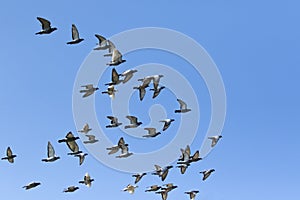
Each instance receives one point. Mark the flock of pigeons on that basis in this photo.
(185, 159)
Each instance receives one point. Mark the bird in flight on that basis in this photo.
(85, 129)
(206, 173)
(81, 157)
(130, 188)
(46, 26)
(9, 155)
(133, 122)
(192, 194)
(89, 90)
(87, 180)
(113, 122)
(128, 75)
(102, 44)
(183, 107)
(214, 140)
(75, 36)
(71, 189)
(110, 91)
(167, 123)
(51, 154)
(116, 58)
(31, 185)
(151, 132)
(138, 177)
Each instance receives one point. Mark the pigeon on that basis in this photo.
(151, 132)
(162, 172)
(115, 149)
(110, 91)
(138, 177)
(111, 47)
(71, 189)
(46, 26)
(206, 173)
(51, 154)
(146, 80)
(156, 79)
(214, 140)
(142, 90)
(157, 91)
(167, 123)
(185, 155)
(124, 151)
(71, 143)
(103, 44)
(92, 139)
(116, 58)
(169, 187)
(133, 122)
(87, 180)
(130, 188)
(75, 36)
(9, 155)
(164, 194)
(183, 168)
(183, 107)
(195, 157)
(153, 188)
(31, 185)
(113, 122)
(81, 157)
(128, 75)
(89, 90)
(114, 78)
(85, 129)
(192, 194)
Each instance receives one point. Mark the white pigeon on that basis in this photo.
(87, 180)
(128, 75)
(183, 107)
(130, 188)
(214, 140)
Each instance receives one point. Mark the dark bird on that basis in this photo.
(153, 188)
(115, 149)
(206, 173)
(169, 187)
(51, 154)
(75, 36)
(81, 157)
(138, 177)
(116, 58)
(113, 122)
(9, 155)
(183, 167)
(46, 26)
(151, 132)
(164, 194)
(124, 151)
(89, 90)
(91, 139)
(142, 90)
(114, 78)
(31, 185)
(87, 180)
(183, 107)
(133, 122)
(102, 44)
(214, 140)
(157, 91)
(167, 123)
(192, 194)
(71, 143)
(71, 189)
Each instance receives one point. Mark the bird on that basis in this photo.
(103, 44)
(89, 90)
(51, 154)
(183, 167)
(185, 155)
(128, 75)
(114, 78)
(133, 122)
(116, 58)
(195, 157)
(164, 194)
(183, 107)
(46, 26)
(113, 122)
(167, 123)
(130, 188)
(71, 143)
(157, 91)
(153, 188)
(31, 185)
(151, 132)
(75, 36)
(192, 194)
(124, 151)
(81, 157)
(91, 139)
(9, 155)
(146, 80)
(162, 172)
(85, 129)
(111, 47)
(110, 91)
(115, 149)
(156, 79)
(138, 177)
(214, 140)
(206, 173)
(71, 189)
(87, 180)
(169, 187)
(142, 90)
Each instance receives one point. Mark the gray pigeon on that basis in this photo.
(46, 26)
(142, 90)
(133, 122)
(87, 180)
(153, 188)
(51, 154)
(157, 91)
(89, 90)
(192, 194)
(128, 75)
(71, 143)
(151, 132)
(138, 177)
(81, 157)
(214, 139)
(167, 123)
(206, 173)
(183, 107)
(116, 58)
(114, 78)
(110, 91)
(103, 44)
(91, 139)
(75, 36)
(85, 129)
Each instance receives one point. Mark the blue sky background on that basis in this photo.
(255, 45)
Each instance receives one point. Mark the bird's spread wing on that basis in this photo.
(114, 76)
(133, 119)
(100, 38)
(45, 23)
(50, 150)
(182, 104)
(73, 146)
(75, 34)
(151, 131)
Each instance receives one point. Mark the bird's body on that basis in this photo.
(31, 185)
(70, 140)
(151, 132)
(130, 188)
(51, 154)
(116, 58)
(75, 36)
(183, 107)
(85, 129)
(87, 180)
(91, 139)
(157, 91)
(71, 189)
(167, 123)
(113, 122)
(89, 90)
(110, 91)
(128, 75)
(133, 122)
(192, 194)
(153, 188)
(81, 157)
(206, 173)
(9, 155)
(46, 26)
(124, 152)
(115, 149)
(214, 140)
(114, 78)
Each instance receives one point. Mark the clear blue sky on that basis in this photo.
(255, 45)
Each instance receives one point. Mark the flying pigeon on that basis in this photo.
(111, 47)
(153, 188)
(71, 189)
(113, 122)
(85, 129)
(192, 194)
(87, 180)
(157, 91)
(9, 155)
(169, 187)
(133, 122)
(51, 154)
(183, 107)
(156, 79)
(206, 173)
(116, 58)
(130, 188)
(46, 26)
(183, 168)
(31, 185)
(91, 139)
(81, 157)
(151, 132)
(89, 90)
(128, 75)
(138, 177)
(71, 143)
(115, 149)
(114, 78)
(110, 91)
(214, 139)
(167, 123)
(142, 90)
(103, 44)
(75, 36)
(162, 172)
(164, 194)
(146, 80)
(124, 151)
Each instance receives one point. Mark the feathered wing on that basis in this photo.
(50, 150)
(45, 23)
(75, 33)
